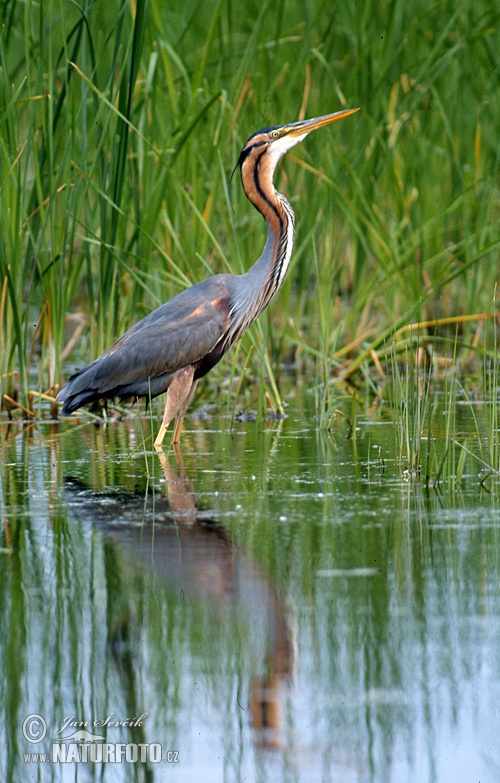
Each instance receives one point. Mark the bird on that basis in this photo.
(174, 346)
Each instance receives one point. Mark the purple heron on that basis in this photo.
(177, 344)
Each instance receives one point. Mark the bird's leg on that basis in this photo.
(179, 395)
(181, 413)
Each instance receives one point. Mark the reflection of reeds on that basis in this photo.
(117, 137)
(394, 588)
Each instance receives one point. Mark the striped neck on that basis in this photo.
(257, 287)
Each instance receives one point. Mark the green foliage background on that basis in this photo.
(120, 123)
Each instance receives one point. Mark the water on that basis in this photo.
(269, 604)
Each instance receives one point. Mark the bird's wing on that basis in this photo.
(177, 334)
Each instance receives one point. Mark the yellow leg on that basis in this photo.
(179, 395)
(181, 413)
(178, 429)
(161, 435)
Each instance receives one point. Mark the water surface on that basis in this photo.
(269, 603)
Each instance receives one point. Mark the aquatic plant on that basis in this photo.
(119, 126)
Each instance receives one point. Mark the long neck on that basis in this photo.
(256, 288)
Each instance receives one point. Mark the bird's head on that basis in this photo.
(268, 145)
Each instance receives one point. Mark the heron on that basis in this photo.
(170, 349)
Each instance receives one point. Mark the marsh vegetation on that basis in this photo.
(120, 125)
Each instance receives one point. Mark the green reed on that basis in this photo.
(120, 125)
(446, 420)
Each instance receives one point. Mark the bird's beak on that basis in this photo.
(306, 126)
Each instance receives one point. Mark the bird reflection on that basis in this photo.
(170, 537)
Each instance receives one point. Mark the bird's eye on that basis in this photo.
(275, 134)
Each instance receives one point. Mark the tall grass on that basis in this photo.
(120, 124)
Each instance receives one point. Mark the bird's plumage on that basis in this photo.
(139, 367)
(179, 342)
